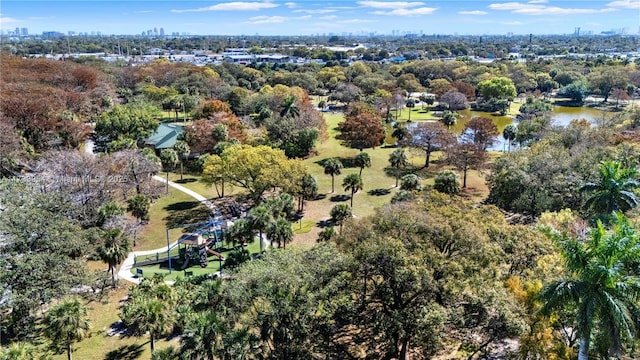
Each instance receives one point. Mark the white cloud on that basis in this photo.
(626, 4)
(314, 11)
(512, 23)
(390, 4)
(407, 12)
(232, 6)
(355, 21)
(275, 19)
(533, 9)
(328, 17)
(5, 20)
(474, 12)
(38, 18)
(267, 19)
(291, 5)
(538, 1)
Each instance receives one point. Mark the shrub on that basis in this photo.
(447, 182)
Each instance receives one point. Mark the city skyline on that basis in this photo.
(473, 17)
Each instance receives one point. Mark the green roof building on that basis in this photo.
(165, 136)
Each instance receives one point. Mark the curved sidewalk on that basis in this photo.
(125, 268)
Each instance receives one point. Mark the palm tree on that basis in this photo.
(241, 232)
(398, 159)
(259, 219)
(289, 107)
(509, 134)
(308, 190)
(332, 167)
(147, 314)
(66, 322)
(169, 353)
(169, 159)
(19, 351)
(183, 150)
(340, 213)
(202, 337)
(410, 105)
(410, 182)
(602, 286)
(280, 231)
(614, 190)
(353, 183)
(139, 207)
(362, 160)
(114, 250)
(449, 119)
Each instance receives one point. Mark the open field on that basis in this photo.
(102, 346)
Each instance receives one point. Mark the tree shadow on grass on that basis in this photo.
(125, 352)
(186, 212)
(393, 172)
(324, 223)
(338, 198)
(379, 192)
(347, 162)
(185, 180)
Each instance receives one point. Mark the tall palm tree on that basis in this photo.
(602, 284)
(340, 213)
(183, 150)
(169, 159)
(280, 231)
(398, 159)
(509, 134)
(139, 207)
(353, 183)
(333, 167)
(114, 250)
(146, 314)
(240, 232)
(260, 218)
(66, 322)
(362, 160)
(613, 191)
(308, 190)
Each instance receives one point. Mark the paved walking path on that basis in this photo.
(125, 269)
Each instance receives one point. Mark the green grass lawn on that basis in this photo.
(169, 210)
(101, 346)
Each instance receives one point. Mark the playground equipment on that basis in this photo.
(199, 243)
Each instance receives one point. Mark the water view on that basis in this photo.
(562, 116)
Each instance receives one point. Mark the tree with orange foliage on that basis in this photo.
(363, 127)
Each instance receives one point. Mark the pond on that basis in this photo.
(561, 116)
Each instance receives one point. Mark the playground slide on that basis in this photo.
(215, 253)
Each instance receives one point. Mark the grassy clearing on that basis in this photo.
(170, 210)
(102, 346)
(379, 185)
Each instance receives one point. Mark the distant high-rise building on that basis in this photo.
(155, 31)
(161, 31)
(17, 32)
(576, 32)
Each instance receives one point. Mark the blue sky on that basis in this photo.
(323, 17)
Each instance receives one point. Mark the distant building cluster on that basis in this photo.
(20, 32)
(155, 32)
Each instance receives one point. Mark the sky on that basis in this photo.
(271, 17)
